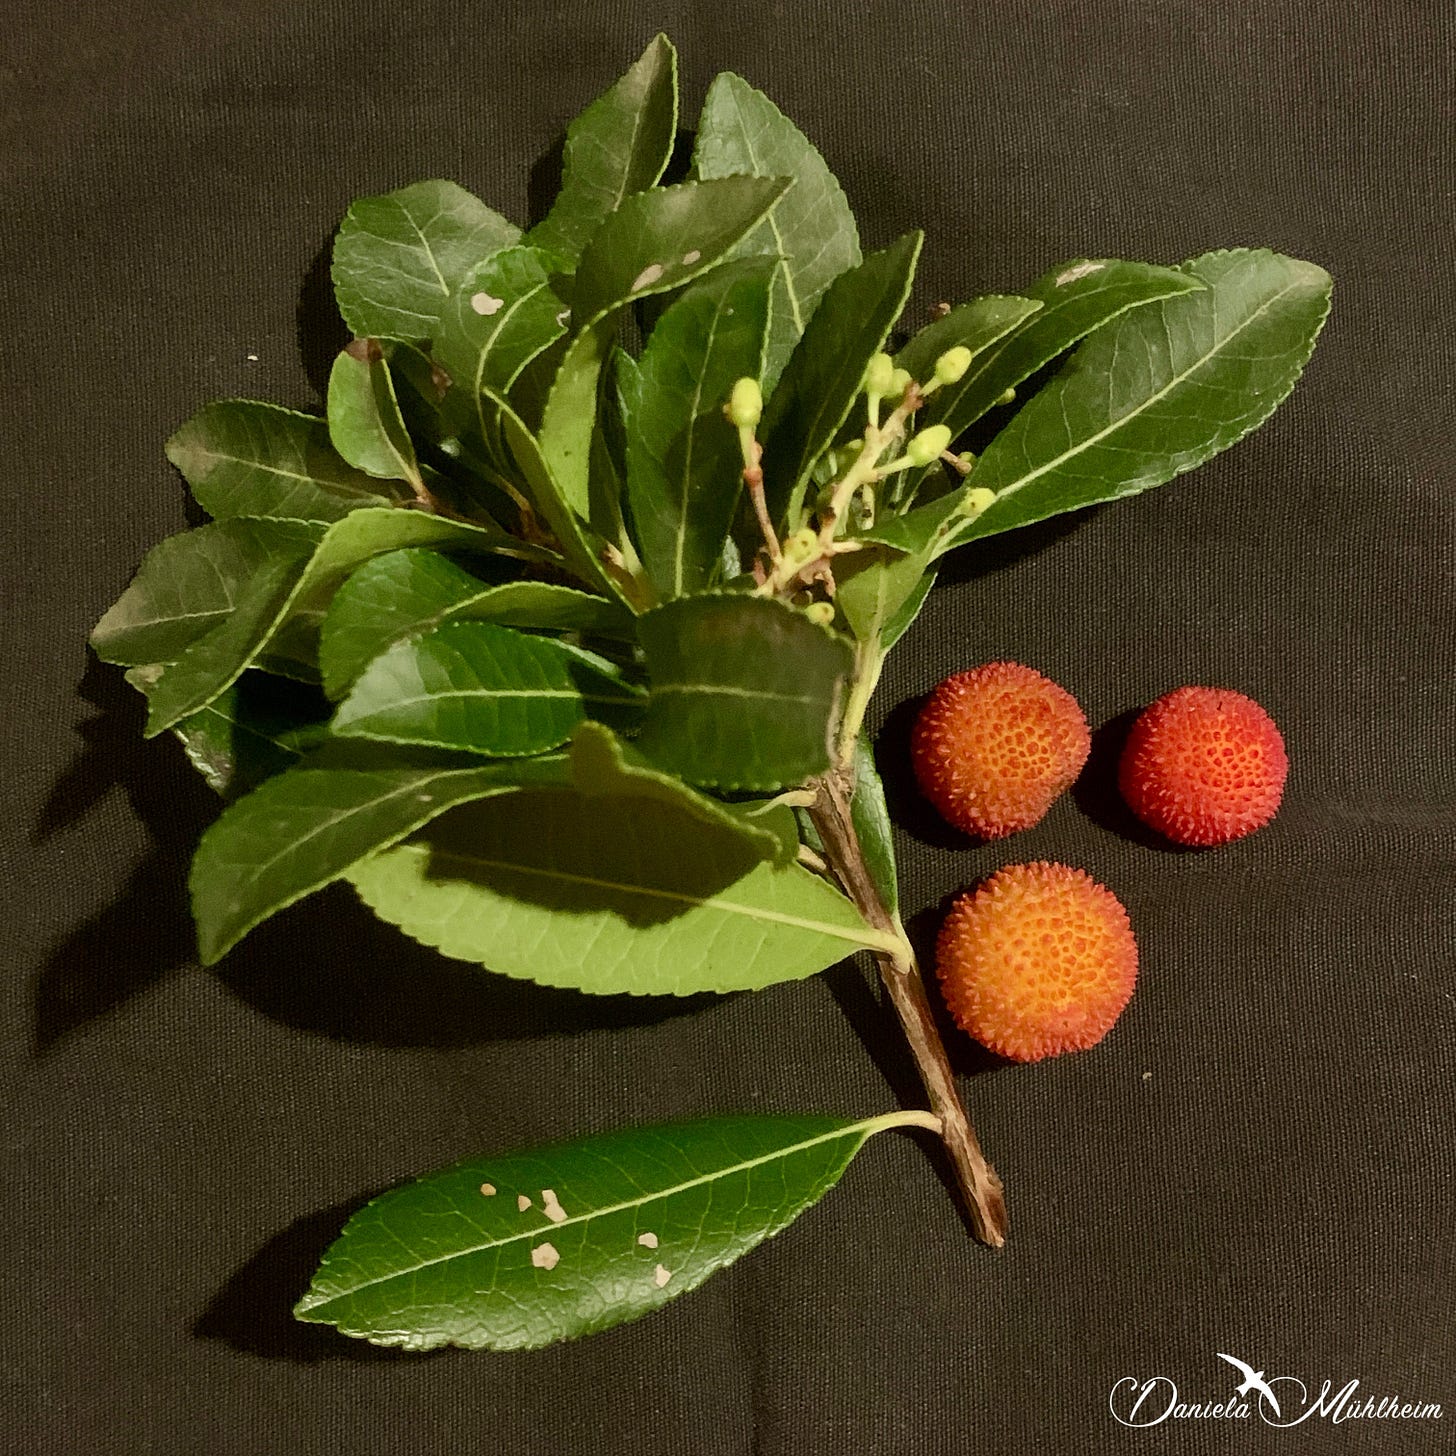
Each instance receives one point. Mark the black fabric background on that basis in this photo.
(180, 1145)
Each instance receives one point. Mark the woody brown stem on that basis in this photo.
(977, 1180)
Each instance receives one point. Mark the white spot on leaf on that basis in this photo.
(660, 1276)
(562, 317)
(544, 1256)
(647, 1240)
(551, 1206)
(647, 277)
(1076, 271)
(523, 1203)
(484, 303)
(488, 1189)
(692, 257)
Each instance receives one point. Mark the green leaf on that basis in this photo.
(619, 145)
(281, 607)
(871, 818)
(408, 593)
(602, 764)
(1146, 398)
(655, 242)
(243, 458)
(683, 461)
(975, 326)
(614, 1226)
(639, 895)
(190, 583)
(257, 728)
(502, 316)
(811, 228)
(874, 587)
(305, 828)
(826, 373)
(1077, 298)
(400, 256)
(364, 419)
(745, 691)
(484, 689)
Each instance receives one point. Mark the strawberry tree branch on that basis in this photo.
(979, 1184)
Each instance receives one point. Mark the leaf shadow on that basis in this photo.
(253, 1311)
(992, 554)
(544, 181)
(320, 329)
(145, 934)
(325, 966)
(909, 809)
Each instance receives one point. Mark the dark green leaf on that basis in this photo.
(305, 828)
(683, 461)
(826, 373)
(656, 241)
(190, 583)
(811, 228)
(243, 458)
(976, 326)
(873, 588)
(871, 818)
(602, 764)
(400, 256)
(502, 316)
(485, 689)
(1076, 298)
(745, 691)
(1155, 393)
(364, 419)
(257, 728)
(407, 593)
(639, 894)
(612, 1227)
(617, 146)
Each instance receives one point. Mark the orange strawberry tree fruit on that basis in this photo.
(557, 648)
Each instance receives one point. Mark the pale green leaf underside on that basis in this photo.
(399, 256)
(640, 895)
(410, 592)
(245, 458)
(619, 145)
(482, 688)
(615, 1226)
(745, 691)
(811, 227)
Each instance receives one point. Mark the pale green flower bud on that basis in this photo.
(952, 365)
(928, 445)
(745, 405)
(1007, 396)
(899, 383)
(802, 546)
(820, 612)
(879, 375)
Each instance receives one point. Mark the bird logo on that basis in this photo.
(1253, 1380)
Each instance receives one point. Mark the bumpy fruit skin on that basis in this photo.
(1204, 766)
(995, 745)
(1039, 960)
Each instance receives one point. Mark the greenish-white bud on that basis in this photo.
(802, 546)
(820, 612)
(745, 404)
(1007, 396)
(899, 383)
(950, 368)
(879, 375)
(978, 499)
(928, 445)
